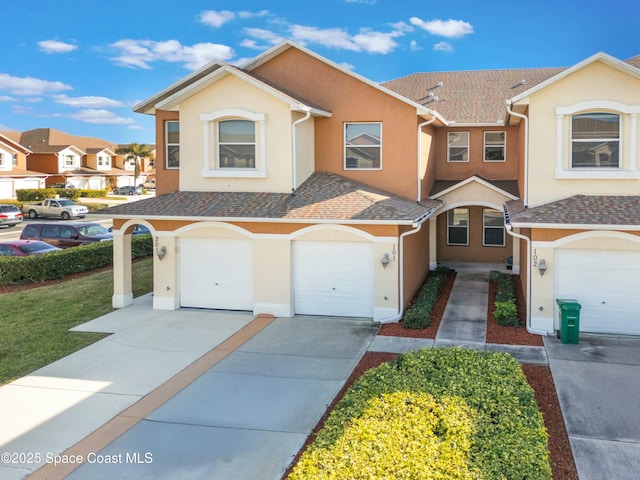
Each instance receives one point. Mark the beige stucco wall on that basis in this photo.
(234, 93)
(594, 82)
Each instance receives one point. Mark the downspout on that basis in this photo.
(423, 124)
(294, 156)
(530, 329)
(526, 151)
(417, 225)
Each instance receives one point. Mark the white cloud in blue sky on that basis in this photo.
(59, 63)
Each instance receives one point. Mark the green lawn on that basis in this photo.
(34, 324)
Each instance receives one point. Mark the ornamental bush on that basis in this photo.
(486, 393)
(50, 266)
(418, 315)
(506, 313)
(506, 309)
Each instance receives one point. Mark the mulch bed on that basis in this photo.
(538, 376)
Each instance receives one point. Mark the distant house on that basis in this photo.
(13, 168)
(294, 186)
(85, 162)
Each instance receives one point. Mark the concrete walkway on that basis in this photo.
(464, 323)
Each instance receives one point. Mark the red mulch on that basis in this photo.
(538, 376)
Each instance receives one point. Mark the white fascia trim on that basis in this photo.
(261, 220)
(583, 235)
(233, 173)
(576, 226)
(601, 174)
(474, 179)
(601, 57)
(454, 124)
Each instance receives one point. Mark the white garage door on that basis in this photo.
(216, 274)
(606, 284)
(333, 278)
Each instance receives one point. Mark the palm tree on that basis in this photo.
(135, 151)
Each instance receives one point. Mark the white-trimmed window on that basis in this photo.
(69, 160)
(458, 146)
(493, 228)
(14, 159)
(595, 140)
(495, 146)
(104, 161)
(1, 159)
(234, 144)
(363, 146)
(458, 226)
(237, 144)
(172, 138)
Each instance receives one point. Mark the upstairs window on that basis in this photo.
(458, 226)
(595, 140)
(458, 146)
(495, 146)
(173, 144)
(14, 159)
(363, 146)
(237, 144)
(69, 161)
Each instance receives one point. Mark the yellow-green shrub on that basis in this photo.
(508, 440)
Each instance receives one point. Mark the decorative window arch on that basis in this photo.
(234, 144)
(602, 142)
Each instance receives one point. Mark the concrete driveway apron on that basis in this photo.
(248, 416)
(598, 386)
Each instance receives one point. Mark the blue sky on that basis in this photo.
(80, 65)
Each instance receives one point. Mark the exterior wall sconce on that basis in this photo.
(161, 252)
(385, 260)
(542, 267)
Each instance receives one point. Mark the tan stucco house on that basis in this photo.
(294, 186)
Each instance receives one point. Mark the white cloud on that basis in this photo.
(141, 53)
(367, 40)
(261, 13)
(268, 36)
(99, 116)
(414, 46)
(88, 102)
(444, 28)
(55, 46)
(7, 98)
(443, 47)
(216, 19)
(30, 85)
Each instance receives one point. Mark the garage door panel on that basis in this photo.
(216, 273)
(606, 284)
(333, 278)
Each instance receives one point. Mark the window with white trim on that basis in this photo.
(495, 146)
(69, 160)
(595, 140)
(1, 159)
(458, 226)
(14, 159)
(458, 146)
(363, 146)
(493, 228)
(172, 139)
(236, 144)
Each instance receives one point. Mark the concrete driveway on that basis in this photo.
(182, 394)
(598, 386)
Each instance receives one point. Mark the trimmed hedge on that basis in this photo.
(486, 391)
(39, 194)
(506, 312)
(418, 315)
(50, 266)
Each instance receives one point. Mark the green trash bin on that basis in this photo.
(569, 320)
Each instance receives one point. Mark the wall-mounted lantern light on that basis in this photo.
(385, 260)
(542, 267)
(161, 252)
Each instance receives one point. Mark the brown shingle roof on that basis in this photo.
(49, 140)
(615, 210)
(324, 196)
(470, 96)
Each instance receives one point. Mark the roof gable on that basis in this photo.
(608, 60)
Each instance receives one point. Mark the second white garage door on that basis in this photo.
(333, 279)
(216, 274)
(606, 284)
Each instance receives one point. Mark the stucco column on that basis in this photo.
(166, 295)
(433, 243)
(122, 290)
(272, 278)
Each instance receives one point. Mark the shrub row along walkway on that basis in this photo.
(464, 324)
